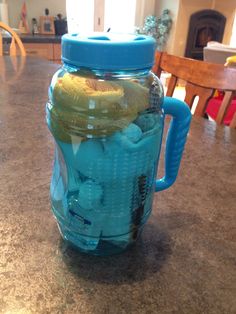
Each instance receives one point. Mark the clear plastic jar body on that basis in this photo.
(107, 128)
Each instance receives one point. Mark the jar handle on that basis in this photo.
(176, 138)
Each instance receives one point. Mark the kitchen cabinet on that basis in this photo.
(47, 47)
(49, 51)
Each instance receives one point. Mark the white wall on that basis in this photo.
(228, 9)
(35, 8)
(144, 8)
(233, 38)
(173, 6)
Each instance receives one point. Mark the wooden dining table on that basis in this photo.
(185, 260)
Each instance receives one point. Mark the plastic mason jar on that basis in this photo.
(105, 112)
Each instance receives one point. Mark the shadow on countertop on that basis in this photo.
(142, 260)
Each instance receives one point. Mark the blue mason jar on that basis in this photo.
(106, 113)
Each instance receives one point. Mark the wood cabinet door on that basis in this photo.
(57, 52)
(40, 50)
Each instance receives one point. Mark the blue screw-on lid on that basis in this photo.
(108, 51)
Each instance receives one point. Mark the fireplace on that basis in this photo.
(204, 26)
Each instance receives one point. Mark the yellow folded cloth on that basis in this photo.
(90, 107)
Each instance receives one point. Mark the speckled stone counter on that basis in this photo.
(185, 261)
(37, 38)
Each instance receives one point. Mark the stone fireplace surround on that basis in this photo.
(204, 26)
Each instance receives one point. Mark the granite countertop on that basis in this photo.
(37, 38)
(183, 263)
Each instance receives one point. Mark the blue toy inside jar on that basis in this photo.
(105, 112)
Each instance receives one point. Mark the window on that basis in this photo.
(80, 15)
(91, 15)
(120, 15)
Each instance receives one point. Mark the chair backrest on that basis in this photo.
(202, 79)
(14, 41)
(156, 68)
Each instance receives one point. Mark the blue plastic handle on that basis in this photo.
(176, 138)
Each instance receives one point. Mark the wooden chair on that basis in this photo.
(202, 79)
(15, 41)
